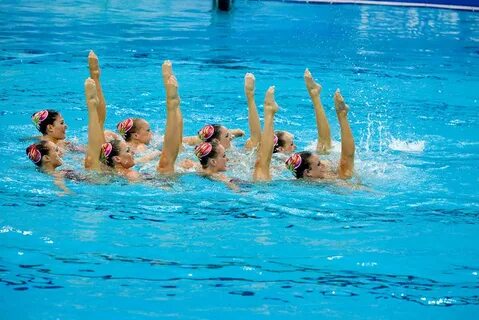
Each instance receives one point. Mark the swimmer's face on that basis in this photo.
(317, 168)
(219, 162)
(143, 133)
(289, 145)
(225, 137)
(58, 129)
(54, 155)
(125, 158)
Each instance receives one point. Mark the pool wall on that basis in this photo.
(472, 5)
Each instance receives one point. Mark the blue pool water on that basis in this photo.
(191, 248)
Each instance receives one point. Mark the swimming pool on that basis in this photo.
(283, 250)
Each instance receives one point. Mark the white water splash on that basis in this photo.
(407, 146)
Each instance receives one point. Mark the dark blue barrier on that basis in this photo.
(448, 4)
(471, 3)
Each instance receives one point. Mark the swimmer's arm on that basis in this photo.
(59, 181)
(228, 182)
(70, 146)
(188, 164)
(236, 133)
(192, 140)
(133, 176)
(253, 117)
(149, 157)
(110, 135)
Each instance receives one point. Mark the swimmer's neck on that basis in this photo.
(130, 174)
(121, 170)
(51, 139)
(210, 171)
(48, 168)
(328, 176)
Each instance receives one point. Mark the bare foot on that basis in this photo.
(173, 100)
(314, 88)
(270, 104)
(93, 65)
(341, 107)
(90, 94)
(249, 82)
(166, 70)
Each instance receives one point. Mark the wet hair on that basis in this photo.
(304, 165)
(281, 141)
(108, 151)
(209, 154)
(36, 151)
(51, 116)
(127, 134)
(215, 135)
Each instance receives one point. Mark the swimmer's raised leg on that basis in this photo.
(266, 145)
(253, 117)
(95, 132)
(322, 125)
(171, 142)
(95, 75)
(346, 163)
(167, 72)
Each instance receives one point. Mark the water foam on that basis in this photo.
(407, 146)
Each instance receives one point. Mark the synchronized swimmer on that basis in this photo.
(114, 153)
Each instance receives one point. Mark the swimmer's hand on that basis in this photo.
(60, 183)
(229, 182)
(110, 135)
(237, 133)
(64, 193)
(188, 164)
(70, 146)
(149, 157)
(133, 176)
(192, 140)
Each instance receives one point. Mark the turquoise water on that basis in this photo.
(191, 248)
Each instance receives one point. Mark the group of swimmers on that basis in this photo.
(114, 153)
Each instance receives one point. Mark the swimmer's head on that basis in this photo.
(117, 154)
(284, 142)
(305, 165)
(212, 156)
(50, 123)
(135, 129)
(216, 132)
(44, 153)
